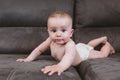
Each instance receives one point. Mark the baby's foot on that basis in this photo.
(112, 50)
(104, 39)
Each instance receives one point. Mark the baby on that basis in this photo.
(64, 49)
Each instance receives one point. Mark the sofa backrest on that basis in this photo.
(96, 18)
(34, 13)
(23, 23)
(97, 13)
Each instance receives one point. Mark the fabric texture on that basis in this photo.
(101, 69)
(27, 13)
(97, 13)
(10, 69)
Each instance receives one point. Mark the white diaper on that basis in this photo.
(83, 50)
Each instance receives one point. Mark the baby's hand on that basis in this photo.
(52, 69)
(23, 60)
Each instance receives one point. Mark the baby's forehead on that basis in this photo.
(60, 27)
(63, 21)
(59, 19)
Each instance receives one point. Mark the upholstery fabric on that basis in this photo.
(97, 13)
(17, 13)
(21, 39)
(101, 69)
(12, 70)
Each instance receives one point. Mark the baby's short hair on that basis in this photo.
(60, 14)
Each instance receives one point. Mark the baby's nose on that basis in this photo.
(58, 34)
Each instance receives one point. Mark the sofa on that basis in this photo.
(23, 26)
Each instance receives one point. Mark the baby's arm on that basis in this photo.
(37, 51)
(69, 56)
(65, 63)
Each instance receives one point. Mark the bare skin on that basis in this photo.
(105, 50)
(63, 47)
(65, 54)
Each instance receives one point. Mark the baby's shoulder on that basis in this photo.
(70, 43)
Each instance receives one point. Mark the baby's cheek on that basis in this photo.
(52, 36)
(67, 38)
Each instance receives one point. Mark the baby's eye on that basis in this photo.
(63, 30)
(53, 30)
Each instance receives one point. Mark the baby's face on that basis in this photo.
(60, 29)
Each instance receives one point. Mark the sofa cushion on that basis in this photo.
(101, 69)
(12, 70)
(29, 12)
(97, 13)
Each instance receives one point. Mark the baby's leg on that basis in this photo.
(104, 52)
(96, 42)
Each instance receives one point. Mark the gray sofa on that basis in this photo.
(23, 26)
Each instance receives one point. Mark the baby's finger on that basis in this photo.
(59, 73)
(51, 72)
(42, 70)
(19, 60)
(46, 67)
(45, 70)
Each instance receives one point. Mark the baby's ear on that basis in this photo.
(72, 31)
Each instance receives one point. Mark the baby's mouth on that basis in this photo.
(58, 40)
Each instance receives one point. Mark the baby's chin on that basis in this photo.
(60, 42)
